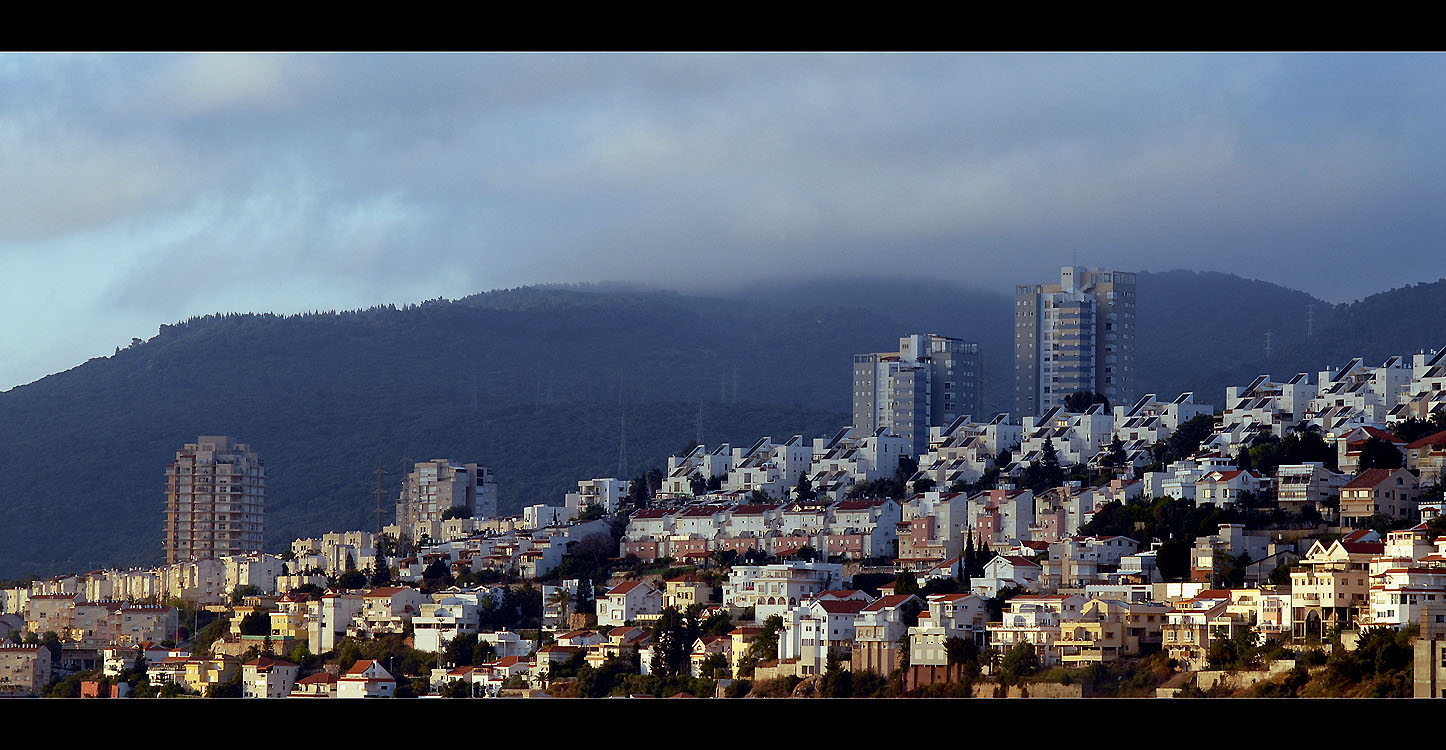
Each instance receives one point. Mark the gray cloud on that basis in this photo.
(140, 189)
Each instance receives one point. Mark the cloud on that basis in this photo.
(337, 180)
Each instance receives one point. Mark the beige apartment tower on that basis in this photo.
(215, 500)
(1077, 335)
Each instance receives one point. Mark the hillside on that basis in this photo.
(533, 382)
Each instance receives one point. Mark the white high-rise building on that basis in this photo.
(1078, 335)
(215, 501)
(438, 485)
(931, 381)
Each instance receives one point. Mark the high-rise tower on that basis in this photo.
(436, 486)
(215, 500)
(1078, 335)
(931, 380)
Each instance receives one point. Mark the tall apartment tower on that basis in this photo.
(1078, 335)
(931, 381)
(438, 485)
(215, 500)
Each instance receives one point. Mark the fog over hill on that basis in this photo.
(537, 382)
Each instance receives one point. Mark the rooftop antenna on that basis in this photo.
(1267, 344)
(1309, 320)
(700, 421)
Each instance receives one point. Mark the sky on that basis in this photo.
(142, 189)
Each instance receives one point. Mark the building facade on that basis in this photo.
(435, 487)
(215, 501)
(931, 381)
(1078, 335)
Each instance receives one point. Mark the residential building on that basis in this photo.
(24, 670)
(268, 677)
(607, 493)
(628, 602)
(1036, 619)
(1108, 629)
(814, 630)
(877, 631)
(1331, 585)
(1078, 335)
(1191, 624)
(931, 381)
(1427, 455)
(962, 616)
(1379, 492)
(1308, 484)
(439, 485)
(366, 679)
(215, 500)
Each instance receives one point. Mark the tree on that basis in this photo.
(456, 511)
(1116, 458)
(1379, 454)
(836, 682)
(352, 579)
(256, 622)
(713, 667)
(561, 600)
(906, 583)
(1020, 662)
(381, 572)
(804, 490)
(765, 646)
(239, 593)
(671, 644)
(437, 573)
(1081, 401)
(584, 601)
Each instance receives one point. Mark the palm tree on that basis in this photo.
(562, 600)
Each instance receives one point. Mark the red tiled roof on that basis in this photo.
(624, 588)
(1434, 439)
(267, 662)
(841, 606)
(886, 602)
(1370, 478)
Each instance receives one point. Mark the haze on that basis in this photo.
(144, 189)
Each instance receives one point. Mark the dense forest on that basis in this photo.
(537, 384)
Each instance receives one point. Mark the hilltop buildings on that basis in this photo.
(435, 487)
(1078, 335)
(931, 381)
(215, 500)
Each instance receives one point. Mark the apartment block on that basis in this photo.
(435, 487)
(215, 500)
(931, 381)
(1078, 335)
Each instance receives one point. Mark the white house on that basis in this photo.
(366, 679)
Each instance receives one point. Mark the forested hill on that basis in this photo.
(534, 383)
